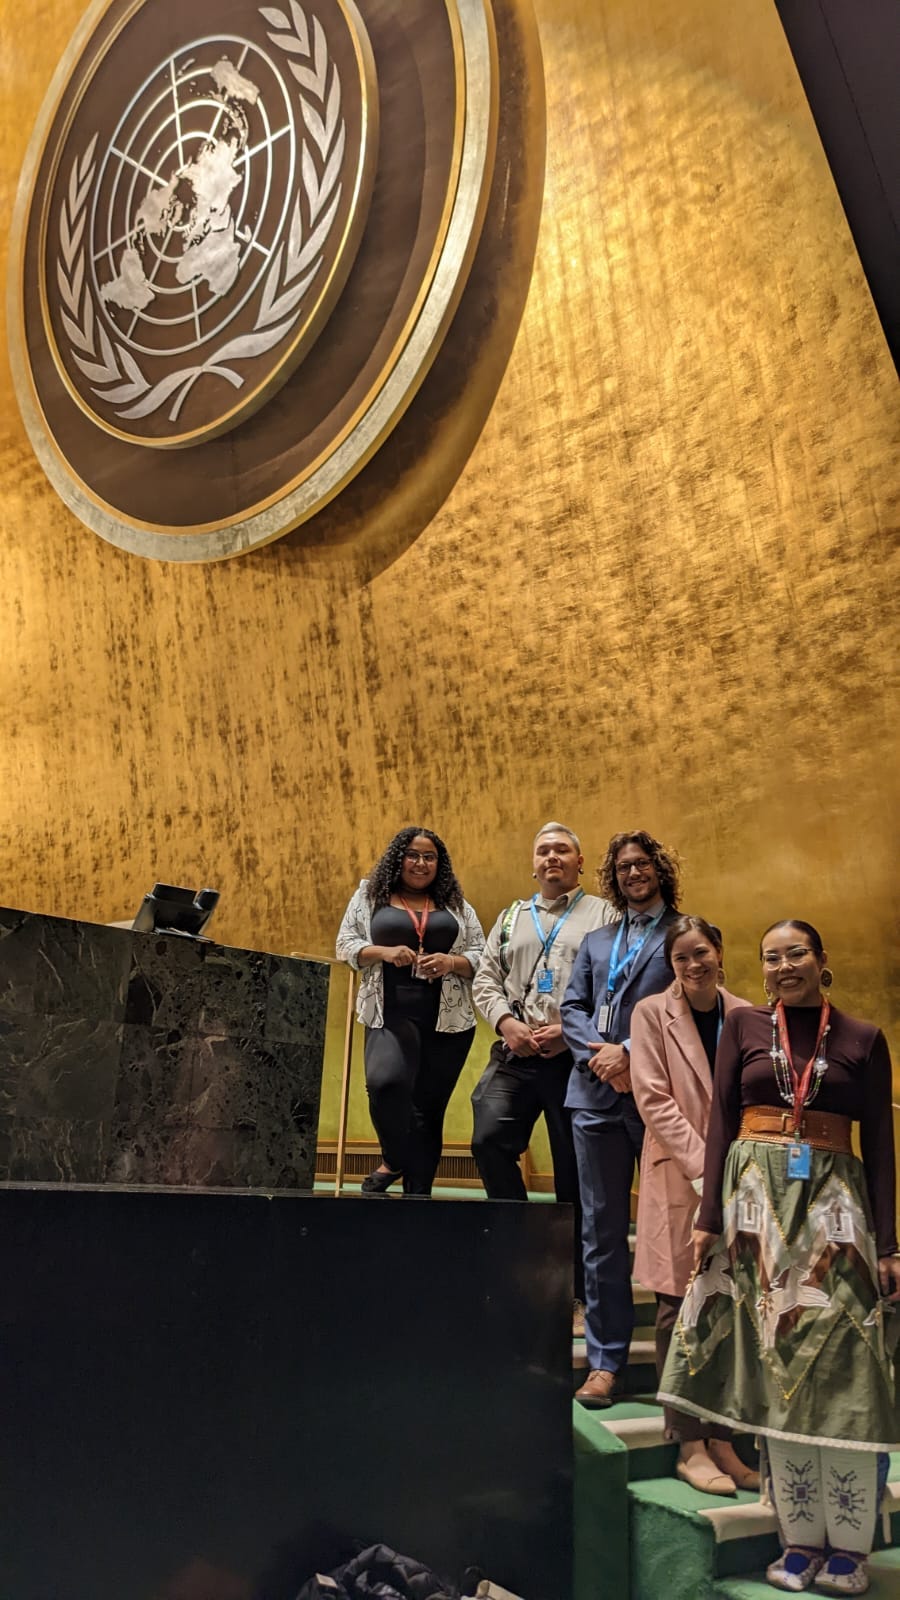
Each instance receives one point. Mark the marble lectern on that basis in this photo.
(149, 1058)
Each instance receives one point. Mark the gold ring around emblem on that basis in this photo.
(264, 423)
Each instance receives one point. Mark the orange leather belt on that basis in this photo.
(821, 1129)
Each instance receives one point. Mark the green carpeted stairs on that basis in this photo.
(642, 1534)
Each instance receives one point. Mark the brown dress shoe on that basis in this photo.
(599, 1390)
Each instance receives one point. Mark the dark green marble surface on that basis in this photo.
(153, 1059)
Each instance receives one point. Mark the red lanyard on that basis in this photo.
(420, 922)
(801, 1083)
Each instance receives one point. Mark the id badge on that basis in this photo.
(603, 1018)
(545, 982)
(799, 1161)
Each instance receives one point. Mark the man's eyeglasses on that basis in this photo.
(792, 956)
(641, 865)
(428, 856)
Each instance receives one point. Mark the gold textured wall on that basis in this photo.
(661, 592)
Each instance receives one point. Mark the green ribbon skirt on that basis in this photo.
(784, 1332)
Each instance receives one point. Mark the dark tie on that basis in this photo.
(638, 926)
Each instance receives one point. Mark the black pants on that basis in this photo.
(411, 1072)
(507, 1101)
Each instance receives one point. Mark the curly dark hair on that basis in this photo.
(665, 861)
(384, 879)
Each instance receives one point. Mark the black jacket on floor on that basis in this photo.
(378, 1573)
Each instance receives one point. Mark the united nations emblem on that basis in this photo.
(198, 243)
(239, 238)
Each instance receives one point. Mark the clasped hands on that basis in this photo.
(611, 1063)
(523, 1040)
(435, 965)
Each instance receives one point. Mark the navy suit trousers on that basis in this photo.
(607, 1147)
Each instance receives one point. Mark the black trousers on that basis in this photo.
(510, 1095)
(411, 1072)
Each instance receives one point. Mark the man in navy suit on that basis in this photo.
(615, 967)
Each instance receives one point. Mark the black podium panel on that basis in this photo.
(193, 1381)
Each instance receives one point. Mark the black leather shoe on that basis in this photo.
(378, 1182)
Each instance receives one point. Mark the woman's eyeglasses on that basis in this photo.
(428, 856)
(792, 956)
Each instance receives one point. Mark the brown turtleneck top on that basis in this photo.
(856, 1085)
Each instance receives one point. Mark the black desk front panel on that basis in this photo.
(194, 1381)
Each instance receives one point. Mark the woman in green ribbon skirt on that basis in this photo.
(786, 1327)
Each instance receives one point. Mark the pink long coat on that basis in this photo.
(672, 1085)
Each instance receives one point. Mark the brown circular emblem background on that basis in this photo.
(241, 233)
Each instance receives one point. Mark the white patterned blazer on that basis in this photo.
(455, 1013)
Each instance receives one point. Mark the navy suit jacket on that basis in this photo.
(586, 993)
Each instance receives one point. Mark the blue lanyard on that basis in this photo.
(617, 967)
(548, 940)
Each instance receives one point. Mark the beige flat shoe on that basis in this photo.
(732, 1465)
(703, 1474)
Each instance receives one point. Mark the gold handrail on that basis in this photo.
(344, 1108)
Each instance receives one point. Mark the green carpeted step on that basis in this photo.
(637, 1423)
(600, 1509)
(682, 1542)
(674, 1546)
(884, 1569)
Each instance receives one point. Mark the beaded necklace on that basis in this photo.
(795, 1090)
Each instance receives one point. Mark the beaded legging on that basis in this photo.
(824, 1496)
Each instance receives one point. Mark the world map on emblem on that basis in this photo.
(186, 226)
(194, 241)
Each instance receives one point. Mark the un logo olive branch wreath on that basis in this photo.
(296, 261)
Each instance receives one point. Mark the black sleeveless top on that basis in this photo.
(415, 999)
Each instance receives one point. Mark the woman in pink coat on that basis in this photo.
(673, 1047)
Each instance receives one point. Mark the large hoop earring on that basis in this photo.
(677, 990)
(721, 975)
(768, 993)
(826, 977)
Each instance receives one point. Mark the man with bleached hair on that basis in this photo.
(518, 988)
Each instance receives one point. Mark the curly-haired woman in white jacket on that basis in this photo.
(417, 942)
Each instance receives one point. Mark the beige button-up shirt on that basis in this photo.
(509, 975)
